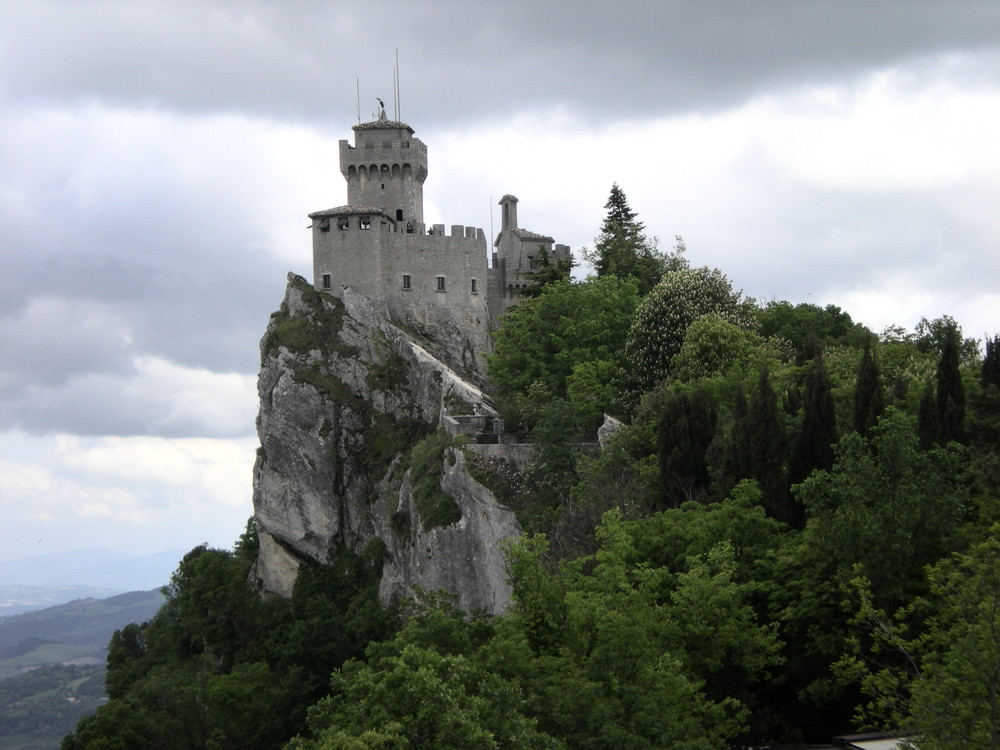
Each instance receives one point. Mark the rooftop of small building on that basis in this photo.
(524, 234)
(347, 210)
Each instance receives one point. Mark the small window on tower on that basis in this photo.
(324, 225)
(475, 290)
(365, 222)
(343, 223)
(399, 214)
(441, 284)
(327, 281)
(406, 281)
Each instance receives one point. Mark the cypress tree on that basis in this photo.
(869, 401)
(813, 447)
(927, 419)
(685, 432)
(950, 391)
(766, 444)
(735, 463)
(989, 376)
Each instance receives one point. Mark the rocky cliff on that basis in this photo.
(347, 400)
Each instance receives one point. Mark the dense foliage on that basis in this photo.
(790, 537)
(218, 667)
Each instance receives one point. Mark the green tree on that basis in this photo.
(543, 340)
(713, 347)
(813, 446)
(888, 506)
(764, 434)
(940, 679)
(425, 687)
(547, 270)
(686, 430)
(931, 337)
(989, 374)
(950, 395)
(805, 323)
(869, 399)
(623, 250)
(630, 637)
(662, 320)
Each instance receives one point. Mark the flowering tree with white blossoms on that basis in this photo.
(665, 314)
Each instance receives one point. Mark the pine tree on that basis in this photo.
(869, 400)
(622, 248)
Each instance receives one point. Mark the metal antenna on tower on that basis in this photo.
(398, 115)
(357, 85)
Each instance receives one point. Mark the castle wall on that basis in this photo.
(351, 257)
(447, 279)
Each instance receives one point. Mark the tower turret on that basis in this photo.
(386, 168)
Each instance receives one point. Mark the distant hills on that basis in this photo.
(52, 664)
(76, 630)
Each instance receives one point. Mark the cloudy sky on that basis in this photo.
(158, 160)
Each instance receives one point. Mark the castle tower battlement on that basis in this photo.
(386, 167)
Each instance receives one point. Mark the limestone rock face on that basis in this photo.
(344, 394)
(463, 558)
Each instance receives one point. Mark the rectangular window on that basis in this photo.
(327, 281)
(475, 290)
(343, 223)
(324, 225)
(406, 281)
(441, 283)
(365, 222)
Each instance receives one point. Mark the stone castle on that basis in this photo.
(434, 282)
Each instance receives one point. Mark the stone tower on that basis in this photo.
(427, 279)
(386, 168)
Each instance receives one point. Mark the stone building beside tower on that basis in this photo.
(426, 278)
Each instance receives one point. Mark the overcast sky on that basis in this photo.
(158, 160)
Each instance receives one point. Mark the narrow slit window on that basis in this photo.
(475, 289)
(440, 286)
(406, 281)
